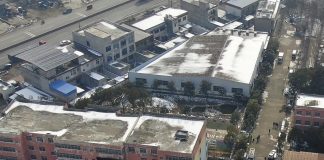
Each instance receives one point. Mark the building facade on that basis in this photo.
(207, 58)
(200, 12)
(58, 134)
(113, 42)
(267, 15)
(309, 111)
(163, 24)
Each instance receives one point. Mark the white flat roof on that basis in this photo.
(96, 76)
(230, 57)
(232, 25)
(158, 18)
(315, 101)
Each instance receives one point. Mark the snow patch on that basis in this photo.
(55, 133)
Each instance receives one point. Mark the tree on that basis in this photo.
(231, 135)
(171, 86)
(205, 87)
(301, 79)
(189, 89)
(265, 69)
(269, 56)
(273, 44)
(82, 103)
(235, 118)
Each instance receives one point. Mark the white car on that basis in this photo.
(65, 42)
(273, 155)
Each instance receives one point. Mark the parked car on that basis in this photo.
(251, 154)
(42, 42)
(65, 42)
(272, 155)
(67, 11)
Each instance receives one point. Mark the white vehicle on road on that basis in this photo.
(273, 155)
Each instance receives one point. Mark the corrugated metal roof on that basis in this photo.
(62, 87)
(48, 57)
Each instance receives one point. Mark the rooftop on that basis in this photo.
(138, 34)
(48, 57)
(104, 29)
(232, 25)
(196, 2)
(96, 76)
(95, 127)
(241, 3)
(294, 155)
(158, 18)
(62, 87)
(267, 9)
(98, 127)
(218, 54)
(158, 131)
(314, 101)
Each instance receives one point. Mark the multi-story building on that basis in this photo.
(227, 59)
(163, 24)
(112, 41)
(266, 15)
(241, 8)
(48, 68)
(51, 133)
(309, 111)
(200, 12)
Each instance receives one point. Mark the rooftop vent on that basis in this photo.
(181, 135)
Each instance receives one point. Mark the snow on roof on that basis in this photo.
(267, 9)
(86, 116)
(241, 3)
(96, 76)
(33, 94)
(172, 43)
(232, 25)
(218, 54)
(165, 129)
(158, 18)
(314, 101)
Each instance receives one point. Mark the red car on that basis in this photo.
(41, 42)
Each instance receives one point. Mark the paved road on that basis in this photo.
(272, 108)
(113, 15)
(36, 29)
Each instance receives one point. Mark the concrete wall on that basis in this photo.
(241, 12)
(233, 10)
(201, 14)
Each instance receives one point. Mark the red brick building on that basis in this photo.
(32, 131)
(309, 111)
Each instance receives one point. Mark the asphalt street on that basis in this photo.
(53, 38)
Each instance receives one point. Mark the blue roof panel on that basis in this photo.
(62, 87)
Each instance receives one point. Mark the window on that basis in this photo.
(317, 114)
(237, 90)
(29, 138)
(299, 113)
(123, 43)
(50, 140)
(131, 149)
(130, 57)
(33, 157)
(97, 61)
(44, 158)
(140, 81)
(7, 149)
(124, 51)
(42, 149)
(117, 56)
(131, 48)
(153, 151)
(88, 43)
(131, 39)
(67, 146)
(316, 124)
(5, 139)
(143, 158)
(116, 46)
(219, 89)
(298, 122)
(307, 122)
(162, 28)
(109, 151)
(109, 58)
(179, 20)
(184, 18)
(31, 147)
(39, 139)
(156, 31)
(308, 113)
(142, 150)
(70, 156)
(108, 48)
